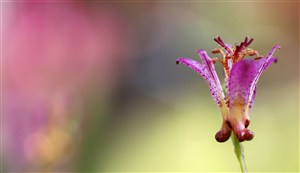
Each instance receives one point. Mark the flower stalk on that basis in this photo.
(239, 152)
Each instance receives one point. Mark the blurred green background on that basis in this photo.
(93, 86)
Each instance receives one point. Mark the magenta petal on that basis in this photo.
(207, 71)
(196, 66)
(266, 62)
(243, 79)
(251, 103)
(269, 62)
(210, 67)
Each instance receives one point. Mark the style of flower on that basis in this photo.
(240, 78)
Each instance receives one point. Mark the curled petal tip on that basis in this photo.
(273, 50)
(179, 60)
(200, 51)
(277, 47)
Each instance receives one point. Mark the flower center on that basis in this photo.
(233, 54)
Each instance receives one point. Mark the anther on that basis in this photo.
(217, 59)
(252, 52)
(251, 40)
(246, 43)
(246, 40)
(216, 50)
(258, 58)
(221, 43)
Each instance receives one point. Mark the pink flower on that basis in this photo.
(241, 76)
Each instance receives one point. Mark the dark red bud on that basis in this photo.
(222, 136)
(245, 135)
(249, 135)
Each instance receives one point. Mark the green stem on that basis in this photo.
(239, 152)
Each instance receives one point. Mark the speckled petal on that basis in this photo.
(266, 62)
(244, 76)
(211, 70)
(241, 79)
(196, 66)
(213, 74)
(207, 71)
(251, 103)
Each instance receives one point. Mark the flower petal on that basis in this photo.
(244, 76)
(207, 71)
(251, 103)
(211, 69)
(266, 62)
(212, 73)
(241, 78)
(241, 81)
(196, 66)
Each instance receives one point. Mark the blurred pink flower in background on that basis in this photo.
(51, 51)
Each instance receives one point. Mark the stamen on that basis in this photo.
(232, 54)
(246, 40)
(217, 59)
(251, 52)
(221, 43)
(240, 52)
(258, 58)
(237, 52)
(248, 44)
(216, 50)
(224, 62)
